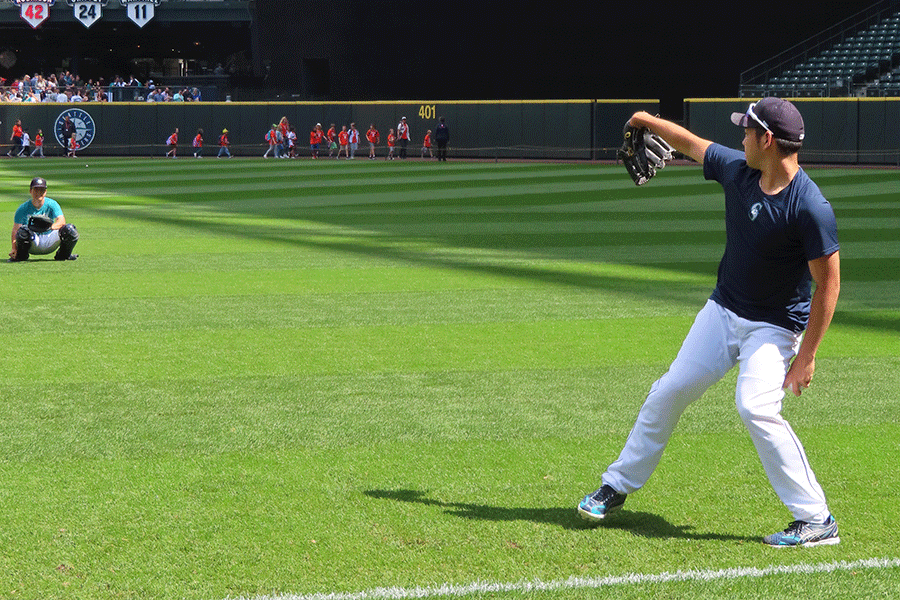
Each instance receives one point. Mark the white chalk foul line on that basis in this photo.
(445, 591)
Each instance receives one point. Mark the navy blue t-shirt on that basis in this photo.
(764, 275)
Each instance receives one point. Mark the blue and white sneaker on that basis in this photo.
(594, 507)
(801, 533)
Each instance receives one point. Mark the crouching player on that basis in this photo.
(40, 227)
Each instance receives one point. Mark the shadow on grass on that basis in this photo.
(640, 524)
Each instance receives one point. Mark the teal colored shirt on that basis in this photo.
(50, 209)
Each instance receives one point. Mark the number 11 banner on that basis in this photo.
(140, 11)
(34, 12)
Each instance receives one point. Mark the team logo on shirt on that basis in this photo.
(754, 211)
(84, 127)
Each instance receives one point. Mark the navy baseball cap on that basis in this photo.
(39, 182)
(777, 116)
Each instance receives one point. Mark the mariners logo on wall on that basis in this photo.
(87, 11)
(84, 127)
(140, 11)
(34, 12)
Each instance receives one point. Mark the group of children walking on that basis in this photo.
(21, 142)
(346, 141)
(197, 144)
(281, 141)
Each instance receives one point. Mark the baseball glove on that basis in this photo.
(39, 223)
(643, 153)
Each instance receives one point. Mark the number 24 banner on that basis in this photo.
(35, 12)
(87, 11)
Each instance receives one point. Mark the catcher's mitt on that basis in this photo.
(643, 153)
(39, 223)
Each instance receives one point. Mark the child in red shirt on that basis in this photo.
(373, 136)
(426, 145)
(38, 144)
(391, 140)
(223, 144)
(344, 140)
(315, 139)
(198, 143)
(332, 143)
(172, 142)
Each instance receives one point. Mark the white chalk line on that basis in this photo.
(447, 590)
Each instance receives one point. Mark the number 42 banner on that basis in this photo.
(140, 11)
(34, 12)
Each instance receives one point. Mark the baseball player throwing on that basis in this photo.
(781, 236)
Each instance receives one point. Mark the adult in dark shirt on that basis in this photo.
(441, 138)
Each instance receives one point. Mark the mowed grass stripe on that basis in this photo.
(376, 176)
(254, 395)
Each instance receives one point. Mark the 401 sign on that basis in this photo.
(140, 11)
(34, 12)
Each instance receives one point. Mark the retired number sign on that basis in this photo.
(34, 12)
(88, 11)
(140, 11)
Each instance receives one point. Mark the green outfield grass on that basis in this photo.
(273, 378)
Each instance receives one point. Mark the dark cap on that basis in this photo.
(775, 115)
(39, 182)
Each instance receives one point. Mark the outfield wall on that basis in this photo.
(838, 130)
(571, 129)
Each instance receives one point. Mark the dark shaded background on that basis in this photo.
(450, 50)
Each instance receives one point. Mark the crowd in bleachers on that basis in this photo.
(69, 87)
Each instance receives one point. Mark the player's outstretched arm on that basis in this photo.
(677, 136)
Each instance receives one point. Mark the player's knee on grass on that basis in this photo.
(23, 243)
(68, 237)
